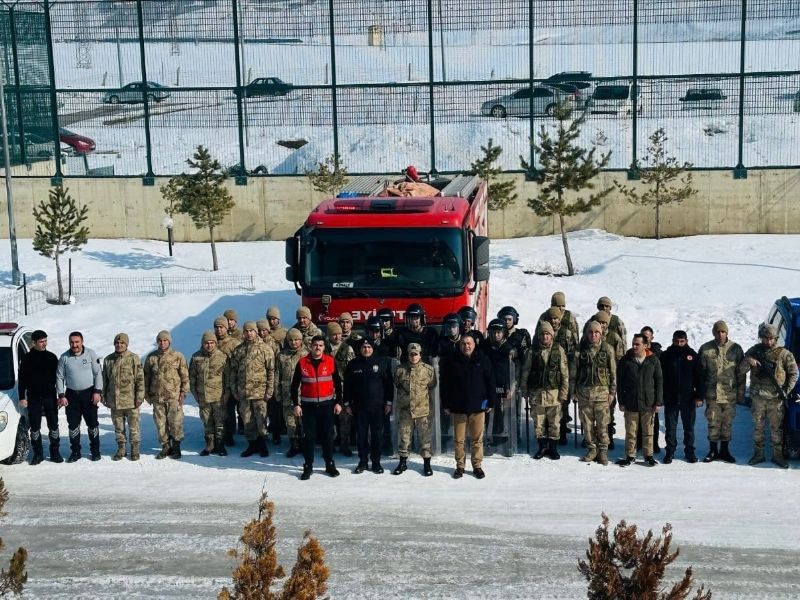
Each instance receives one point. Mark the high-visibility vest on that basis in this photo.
(316, 384)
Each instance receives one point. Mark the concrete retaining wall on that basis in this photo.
(272, 208)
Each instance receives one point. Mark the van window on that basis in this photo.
(611, 92)
(7, 379)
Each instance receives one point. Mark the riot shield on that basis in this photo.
(441, 425)
(390, 440)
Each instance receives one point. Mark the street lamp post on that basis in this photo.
(168, 223)
(12, 225)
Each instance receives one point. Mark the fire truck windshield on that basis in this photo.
(383, 259)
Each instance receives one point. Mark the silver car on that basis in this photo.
(545, 100)
(133, 93)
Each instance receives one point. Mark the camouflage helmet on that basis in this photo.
(231, 315)
(594, 326)
(249, 325)
(558, 299)
(768, 331)
(334, 328)
(303, 311)
(345, 316)
(294, 334)
(604, 301)
(273, 313)
(554, 313)
(221, 322)
(720, 326)
(545, 327)
(120, 337)
(262, 324)
(208, 336)
(601, 316)
(164, 335)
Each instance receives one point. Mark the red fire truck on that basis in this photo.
(363, 251)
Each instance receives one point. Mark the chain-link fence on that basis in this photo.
(32, 298)
(274, 86)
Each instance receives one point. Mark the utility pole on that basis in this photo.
(12, 225)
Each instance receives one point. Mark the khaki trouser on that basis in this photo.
(462, 424)
(405, 428)
(254, 415)
(720, 420)
(291, 422)
(634, 420)
(168, 417)
(772, 409)
(595, 416)
(213, 416)
(118, 418)
(549, 418)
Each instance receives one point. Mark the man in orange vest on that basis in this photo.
(316, 396)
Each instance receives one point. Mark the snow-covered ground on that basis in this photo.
(161, 528)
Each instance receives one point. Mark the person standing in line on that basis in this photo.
(79, 383)
(680, 366)
(207, 369)
(123, 393)
(37, 393)
(166, 377)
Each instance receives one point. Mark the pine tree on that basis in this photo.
(667, 180)
(258, 570)
(59, 229)
(329, 177)
(565, 167)
(501, 194)
(632, 568)
(11, 581)
(201, 195)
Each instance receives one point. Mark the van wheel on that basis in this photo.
(21, 447)
(550, 110)
(498, 111)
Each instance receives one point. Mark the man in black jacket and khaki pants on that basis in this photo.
(639, 390)
(469, 393)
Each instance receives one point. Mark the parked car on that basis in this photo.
(266, 86)
(579, 79)
(15, 341)
(614, 99)
(35, 145)
(579, 95)
(132, 93)
(785, 316)
(545, 100)
(702, 98)
(79, 144)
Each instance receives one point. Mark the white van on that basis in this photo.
(15, 341)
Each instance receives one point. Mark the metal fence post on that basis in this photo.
(633, 170)
(149, 178)
(51, 73)
(531, 123)
(334, 105)
(69, 279)
(433, 171)
(163, 287)
(12, 22)
(25, 292)
(740, 172)
(241, 178)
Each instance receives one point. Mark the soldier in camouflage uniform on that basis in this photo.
(276, 330)
(349, 334)
(252, 384)
(166, 378)
(207, 383)
(617, 344)
(233, 317)
(305, 326)
(723, 384)
(568, 340)
(342, 353)
(558, 302)
(123, 393)
(773, 375)
(274, 411)
(287, 361)
(414, 381)
(227, 344)
(547, 384)
(595, 387)
(615, 324)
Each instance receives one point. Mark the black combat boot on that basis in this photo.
(625, 461)
(219, 447)
(426, 467)
(306, 474)
(713, 454)
(209, 448)
(175, 450)
(38, 453)
(74, 445)
(377, 468)
(360, 467)
(725, 453)
(263, 451)
(331, 470)
(55, 450)
(552, 450)
(164, 451)
(252, 448)
(294, 448)
(401, 466)
(542, 449)
(668, 457)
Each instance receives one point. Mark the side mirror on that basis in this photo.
(291, 259)
(480, 258)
